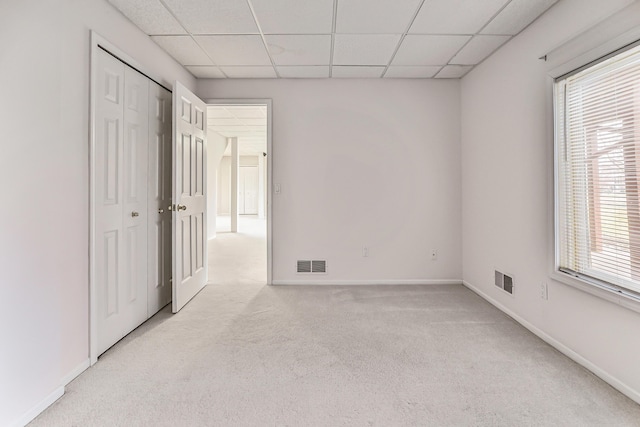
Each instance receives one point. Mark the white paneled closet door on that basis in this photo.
(109, 205)
(248, 190)
(120, 199)
(135, 216)
(159, 278)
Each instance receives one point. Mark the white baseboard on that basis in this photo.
(55, 395)
(76, 371)
(368, 282)
(30, 415)
(601, 373)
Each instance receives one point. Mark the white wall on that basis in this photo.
(262, 186)
(362, 162)
(224, 186)
(507, 169)
(216, 144)
(224, 181)
(44, 117)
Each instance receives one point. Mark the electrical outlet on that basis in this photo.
(434, 254)
(365, 251)
(544, 291)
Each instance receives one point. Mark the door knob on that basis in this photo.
(134, 214)
(182, 208)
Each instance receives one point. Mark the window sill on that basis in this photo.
(621, 299)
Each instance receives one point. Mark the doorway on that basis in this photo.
(240, 172)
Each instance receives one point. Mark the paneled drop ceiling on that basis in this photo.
(331, 38)
(247, 122)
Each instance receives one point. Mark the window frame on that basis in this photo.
(598, 287)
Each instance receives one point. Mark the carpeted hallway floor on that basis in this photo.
(244, 354)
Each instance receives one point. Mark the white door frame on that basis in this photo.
(269, 195)
(100, 43)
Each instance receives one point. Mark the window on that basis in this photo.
(597, 116)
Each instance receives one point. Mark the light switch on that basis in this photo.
(277, 189)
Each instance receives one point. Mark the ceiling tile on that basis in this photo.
(255, 122)
(225, 134)
(235, 50)
(453, 71)
(248, 111)
(478, 49)
(216, 122)
(249, 72)
(455, 16)
(428, 50)
(150, 16)
(239, 133)
(218, 112)
(205, 72)
(294, 16)
(356, 72)
(300, 49)
(240, 128)
(183, 49)
(364, 49)
(254, 139)
(516, 16)
(406, 72)
(379, 16)
(214, 17)
(309, 72)
(210, 133)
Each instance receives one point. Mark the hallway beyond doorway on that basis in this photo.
(239, 258)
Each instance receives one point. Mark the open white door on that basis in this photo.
(189, 205)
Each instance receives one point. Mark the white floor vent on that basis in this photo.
(311, 266)
(504, 282)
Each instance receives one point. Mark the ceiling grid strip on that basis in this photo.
(264, 40)
(333, 36)
(393, 55)
(431, 38)
(191, 35)
(473, 35)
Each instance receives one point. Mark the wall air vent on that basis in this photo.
(314, 266)
(304, 267)
(504, 282)
(499, 279)
(508, 284)
(318, 266)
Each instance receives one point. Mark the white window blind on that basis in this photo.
(598, 172)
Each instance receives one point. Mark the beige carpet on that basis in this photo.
(243, 354)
